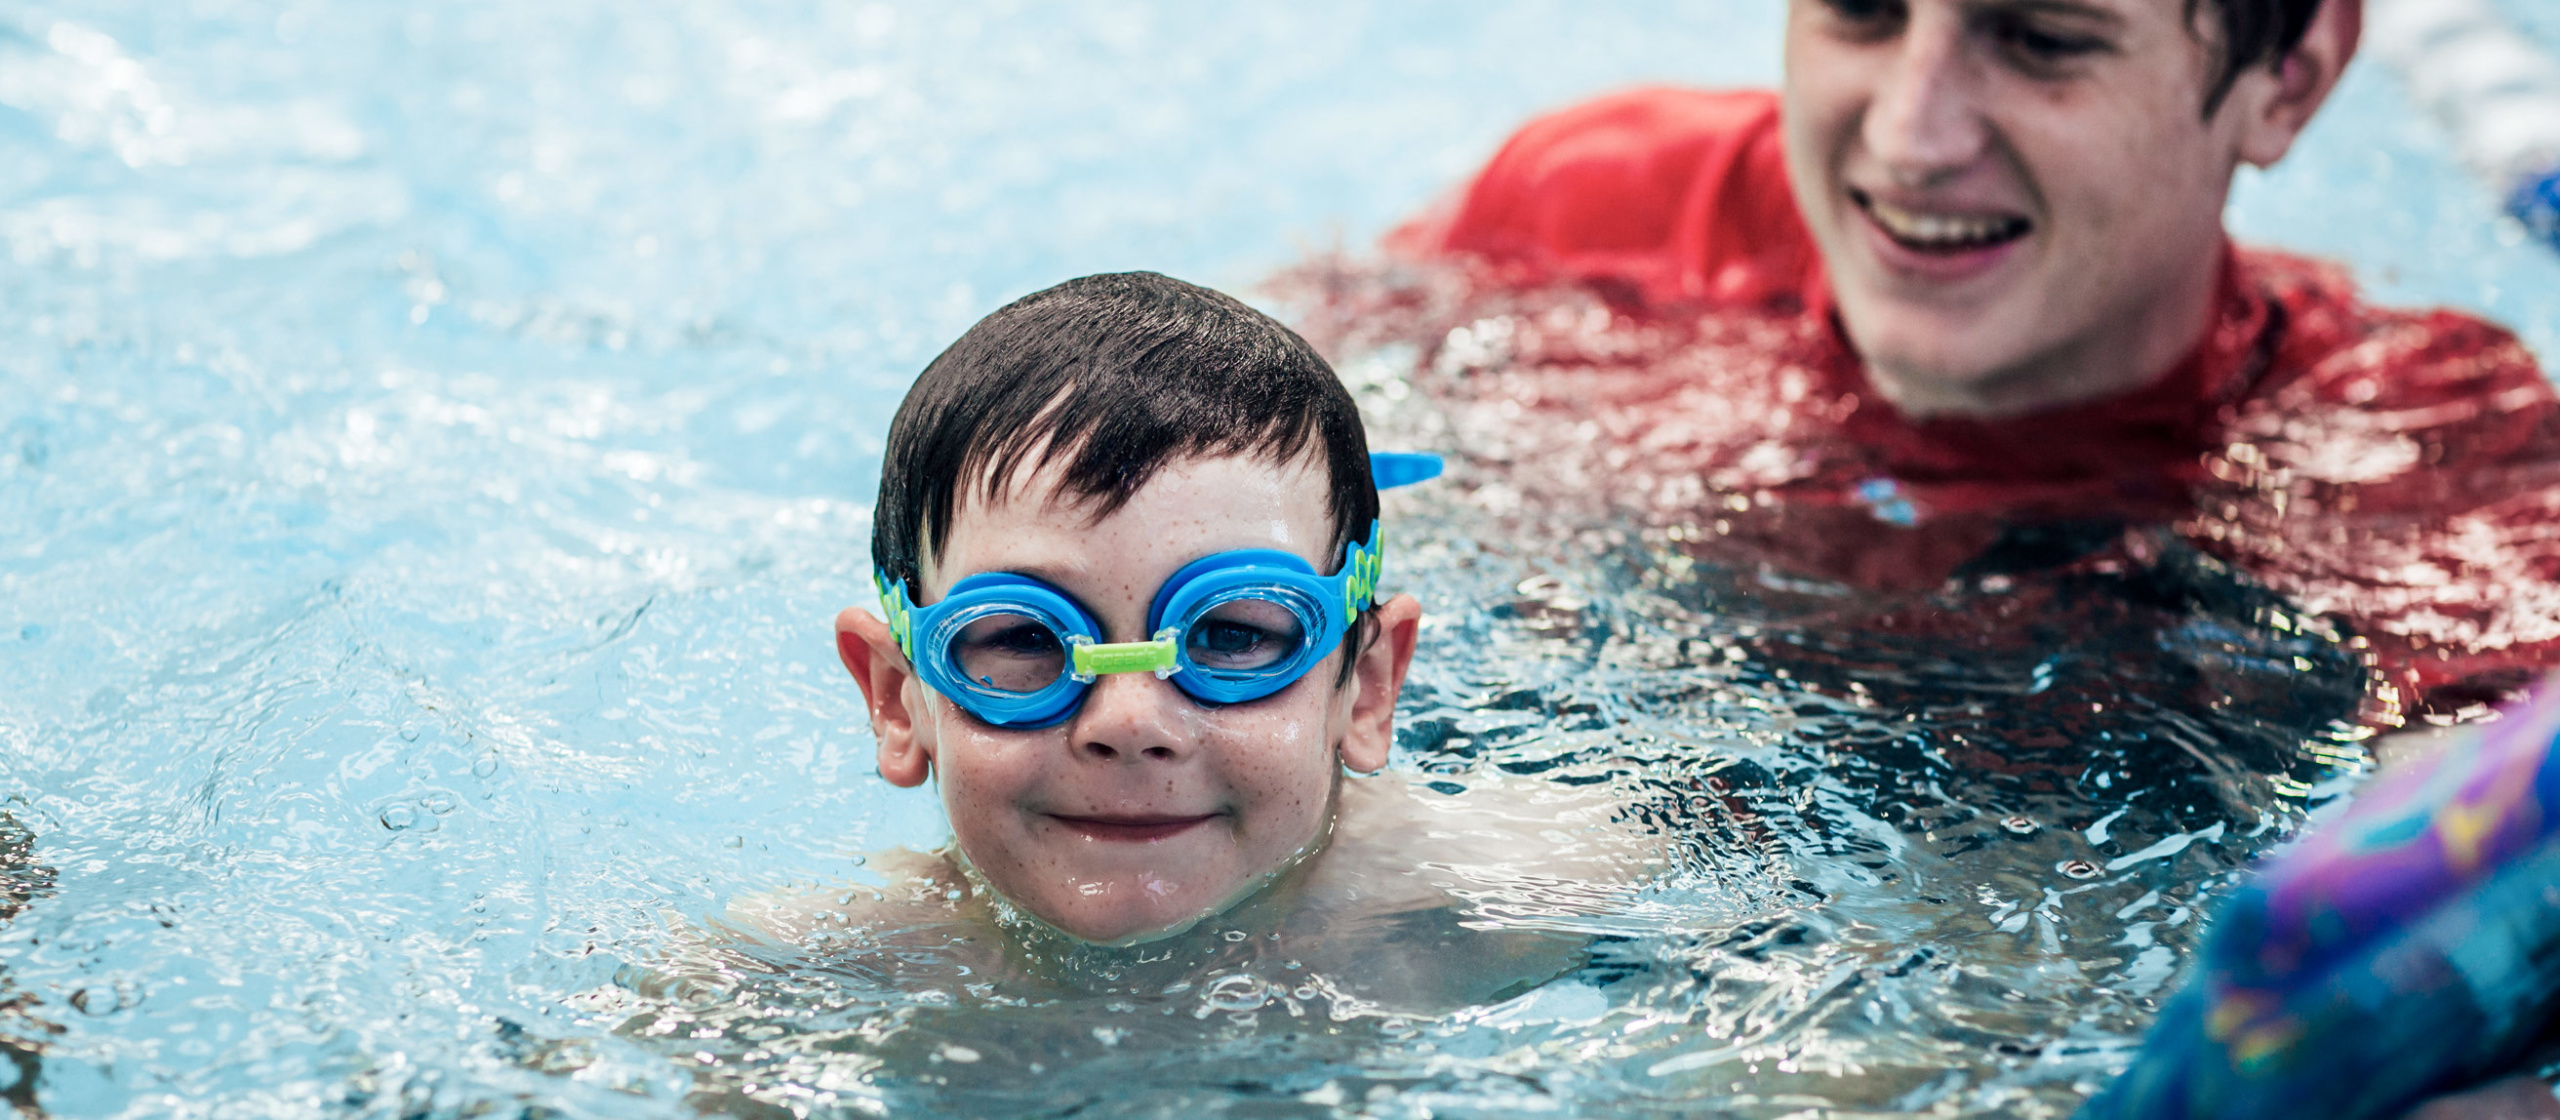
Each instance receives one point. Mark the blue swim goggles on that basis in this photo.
(1236, 626)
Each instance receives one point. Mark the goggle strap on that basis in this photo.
(1090, 659)
(1360, 573)
(895, 604)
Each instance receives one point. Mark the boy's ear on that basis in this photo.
(1378, 677)
(871, 654)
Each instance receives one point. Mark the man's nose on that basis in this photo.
(1923, 125)
(1132, 717)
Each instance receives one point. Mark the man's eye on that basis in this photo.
(2042, 46)
(1868, 15)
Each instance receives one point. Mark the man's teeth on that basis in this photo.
(1943, 229)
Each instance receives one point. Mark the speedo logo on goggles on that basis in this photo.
(1236, 626)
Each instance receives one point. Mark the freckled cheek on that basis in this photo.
(984, 779)
(1277, 767)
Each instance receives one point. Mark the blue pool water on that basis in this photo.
(433, 439)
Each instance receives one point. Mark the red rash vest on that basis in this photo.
(2398, 471)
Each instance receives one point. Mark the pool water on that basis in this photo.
(433, 440)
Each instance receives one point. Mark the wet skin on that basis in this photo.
(1145, 810)
(2019, 202)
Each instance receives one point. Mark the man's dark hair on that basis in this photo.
(1117, 376)
(2254, 32)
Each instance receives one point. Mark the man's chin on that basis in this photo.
(1929, 359)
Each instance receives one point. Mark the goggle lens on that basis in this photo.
(1244, 635)
(1016, 653)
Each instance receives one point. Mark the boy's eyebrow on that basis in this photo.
(1042, 572)
(1045, 573)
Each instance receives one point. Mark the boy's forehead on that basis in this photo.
(1191, 507)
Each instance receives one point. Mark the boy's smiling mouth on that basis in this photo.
(1132, 827)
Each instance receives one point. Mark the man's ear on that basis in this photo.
(1378, 677)
(2279, 99)
(871, 654)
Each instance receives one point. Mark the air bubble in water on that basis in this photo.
(399, 817)
(1237, 993)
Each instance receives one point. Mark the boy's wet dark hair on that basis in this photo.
(2254, 32)
(1118, 375)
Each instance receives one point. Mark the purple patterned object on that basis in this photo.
(2410, 842)
(2410, 946)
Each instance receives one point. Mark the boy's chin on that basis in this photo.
(1107, 920)
(1126, 912)
(1121, 899)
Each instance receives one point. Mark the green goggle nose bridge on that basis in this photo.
(1089, 659)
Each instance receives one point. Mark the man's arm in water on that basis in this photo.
(2400, 472)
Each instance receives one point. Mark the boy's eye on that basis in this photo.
(1243, 635)
(1226, 639)
(1026, 640)
(1012, 653)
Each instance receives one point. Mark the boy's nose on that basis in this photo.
(1131, 717)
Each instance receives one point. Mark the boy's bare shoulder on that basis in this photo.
(1495, 841)
(1527, 822)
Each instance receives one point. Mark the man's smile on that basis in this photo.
(1940, 232)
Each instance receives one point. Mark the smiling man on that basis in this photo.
(2021, 203)
(2017, 204)
(1968, 270)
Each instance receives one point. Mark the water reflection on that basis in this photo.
(937, 1020)
(22, 1031)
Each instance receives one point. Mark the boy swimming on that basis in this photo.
(1127, 546)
